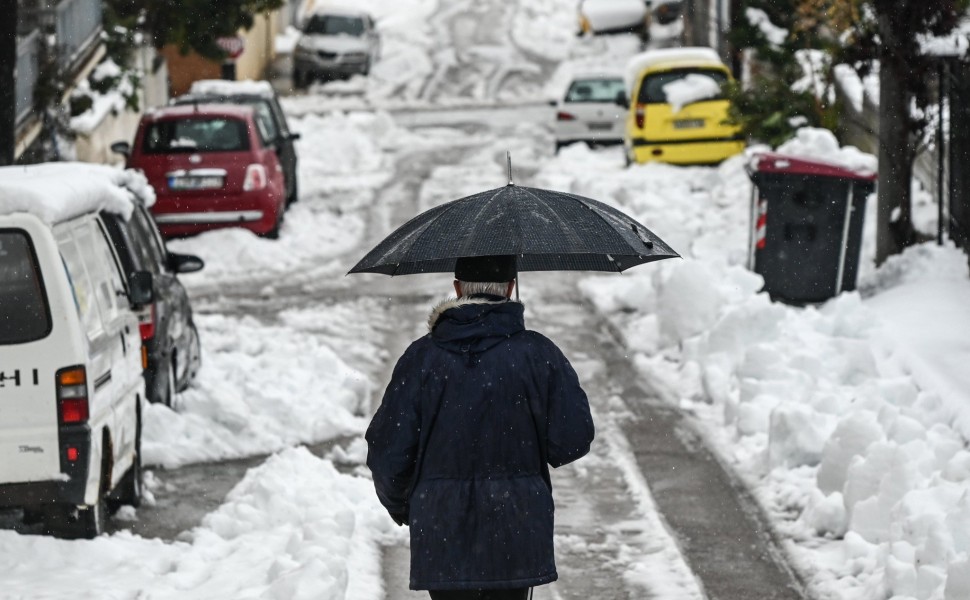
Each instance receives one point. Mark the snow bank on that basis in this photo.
(692, 88)
(848, 419)
(56, 192)
(223, 87)
(821, 145)
(293, 528)
(261, 388)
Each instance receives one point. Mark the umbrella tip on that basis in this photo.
(508, 156)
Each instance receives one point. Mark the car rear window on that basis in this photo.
(24, 313)
(652, 90)
(216, 134)
(334, 25)
(594, 90)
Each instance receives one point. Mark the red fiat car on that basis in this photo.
(212, 166)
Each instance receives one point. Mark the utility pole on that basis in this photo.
(8, 81)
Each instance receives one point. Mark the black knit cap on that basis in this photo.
(498, 269)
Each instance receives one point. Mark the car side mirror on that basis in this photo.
(185, 263)
(140, 289)
(123, 148)
(622, 100)
(294, 136)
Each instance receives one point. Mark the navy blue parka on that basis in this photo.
(461, 445)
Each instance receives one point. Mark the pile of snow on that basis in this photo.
(293, 528)
(821, 145)
(223, 87)
(262, 388)
(56, 192)
(687, 55)
(954, 44)
(286, 42)
(102, 104)
(851, 420)
(775, 35)
(692, 88)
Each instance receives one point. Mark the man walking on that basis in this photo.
(460, 447)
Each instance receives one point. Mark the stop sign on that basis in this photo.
(233, 46)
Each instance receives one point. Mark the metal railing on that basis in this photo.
(77, 24)
(28, 70)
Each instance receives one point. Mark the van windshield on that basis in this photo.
(215, 134)
(24, 314)
(652, 91)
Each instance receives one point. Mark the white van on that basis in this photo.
(71, 361)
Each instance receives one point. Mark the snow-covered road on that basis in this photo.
(715, 408)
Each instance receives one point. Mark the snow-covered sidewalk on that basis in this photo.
(849, 419)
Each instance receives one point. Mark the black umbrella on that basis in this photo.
(546, 231)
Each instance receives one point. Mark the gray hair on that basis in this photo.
(495, 288)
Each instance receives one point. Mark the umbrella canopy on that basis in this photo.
(544, 229)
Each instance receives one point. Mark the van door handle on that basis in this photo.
(124, 344)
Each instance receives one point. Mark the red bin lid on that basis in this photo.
(772, 162)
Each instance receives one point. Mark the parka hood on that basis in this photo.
(474, 324)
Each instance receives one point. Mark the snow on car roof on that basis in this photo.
(204, 109)
(222, 87)
(651, 58)
(339, 9)
(57, 192)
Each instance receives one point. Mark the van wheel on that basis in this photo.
(81, 523)
(168, 398)
(129, 490)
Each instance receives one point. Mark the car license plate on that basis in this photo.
(207, 182)
(688, 123)
(600, 126)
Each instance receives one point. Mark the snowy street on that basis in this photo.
(744, 449)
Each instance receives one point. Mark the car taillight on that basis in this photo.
(146, 322)
(641, 114)
(565, 116)
(256, 178)
(72, 395)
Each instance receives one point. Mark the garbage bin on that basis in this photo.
(806, 226)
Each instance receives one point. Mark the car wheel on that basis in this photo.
(86, 522)
(129, 490)
(299, 79)
(168, 384)
(194, 358)
(559, 147)
(366, 70)
(294, 194)
(274, 233)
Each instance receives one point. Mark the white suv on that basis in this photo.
(71, 358)
(335, 42)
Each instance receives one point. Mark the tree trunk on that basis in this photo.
(894, 223)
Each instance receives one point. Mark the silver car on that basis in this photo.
(588, 112)
(335, 43)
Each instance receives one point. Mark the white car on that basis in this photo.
(589, 112)
(615, 16)
(335, 42)
(71, 358)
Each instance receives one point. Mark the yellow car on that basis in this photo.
(676, 110)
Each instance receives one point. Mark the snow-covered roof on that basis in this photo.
(222, 87)
(338, 9)
(664, 56)
(57, 192)
(613, 14)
